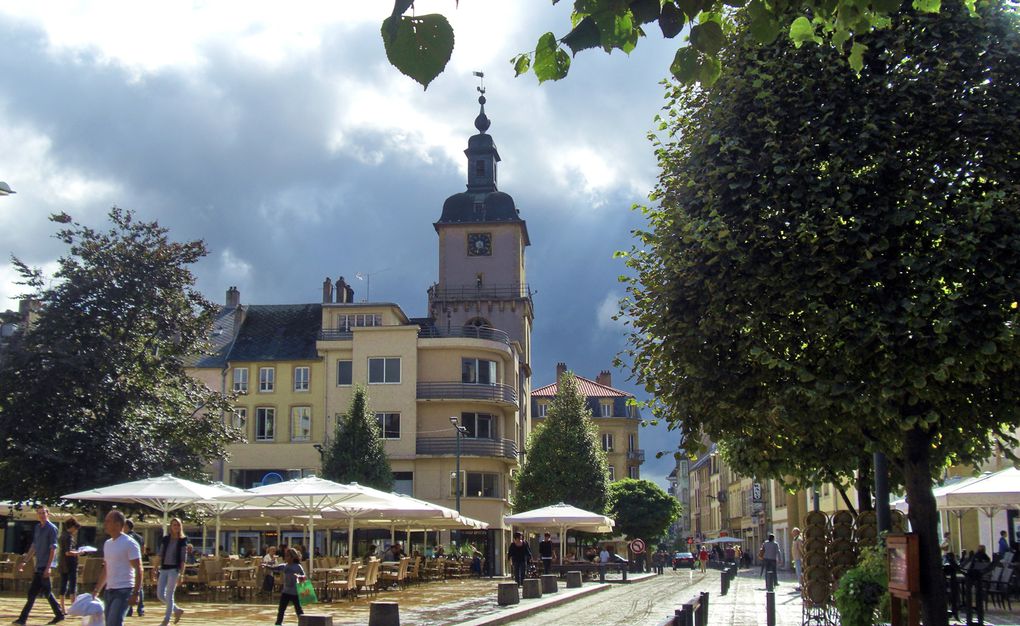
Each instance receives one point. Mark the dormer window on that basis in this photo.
(479, 168)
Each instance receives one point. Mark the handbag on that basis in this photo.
(306, 592)
(761, 552)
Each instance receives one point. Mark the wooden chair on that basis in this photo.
(370, 580)
(998, 588)
(399, 577)
(248, 583)
(346, 585)
(414, 574)
(433, 570)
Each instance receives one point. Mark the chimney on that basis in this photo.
(350, 294)
(327, 291)
(604, 378)
(561, 369)
(233, 298)
(341, 290)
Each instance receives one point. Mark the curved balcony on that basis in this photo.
(503, 394)
(442, 446)
(637, 454)
(466, 332)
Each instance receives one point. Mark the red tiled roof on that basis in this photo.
(588, 388)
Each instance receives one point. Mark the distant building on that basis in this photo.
(618, 420)
(680, 488)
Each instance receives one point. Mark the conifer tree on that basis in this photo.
(357, 454)
(565, 461)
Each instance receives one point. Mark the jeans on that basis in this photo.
(117, 605)
(40, 586)
(69, 582)
(797, 566)
(520, 569)
(546, 564)
(285, 599)
(165, 589)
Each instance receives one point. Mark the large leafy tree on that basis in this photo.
(356, 454)
(421, 45)
(641, 509)
(94, 392)
(565, 461)
(834, 264)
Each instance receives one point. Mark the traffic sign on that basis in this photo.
(690, 541)
(637, 546)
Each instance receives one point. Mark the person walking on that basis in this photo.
(519, 554)
(173, 551)
(68, 559)
(122, 570)
(293, 573)
(545, 552)
(703, 559)
(44, 548)
(797, 556)
(130, 532)
(772, 555)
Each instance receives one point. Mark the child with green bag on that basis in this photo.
(292, 574)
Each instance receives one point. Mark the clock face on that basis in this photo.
(479, 244)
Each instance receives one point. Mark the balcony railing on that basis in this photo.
(484, 292)
(636, 455)
(468, 447)
(336, 334)
(467, 391)
(468, 332)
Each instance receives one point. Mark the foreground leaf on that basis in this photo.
(420, 47)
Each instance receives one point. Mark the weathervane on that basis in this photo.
(481, 82)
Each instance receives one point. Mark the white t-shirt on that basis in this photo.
(118, 554)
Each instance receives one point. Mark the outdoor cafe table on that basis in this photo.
(233, 571)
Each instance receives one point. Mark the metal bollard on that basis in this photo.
(703, 618)
(770, 608)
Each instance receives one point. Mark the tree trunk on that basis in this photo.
(865, 473)
(923, 520)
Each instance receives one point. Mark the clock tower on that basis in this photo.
(482, 240)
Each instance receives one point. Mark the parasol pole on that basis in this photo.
(216, 542)
(350, 540)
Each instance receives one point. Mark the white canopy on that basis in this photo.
(998, 490)
(565, 517)
(164, 493)
(725, 540)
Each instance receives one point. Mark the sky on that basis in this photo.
(279, 134)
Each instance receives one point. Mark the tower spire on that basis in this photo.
(481, 122)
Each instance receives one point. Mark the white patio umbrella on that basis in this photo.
(218, 508)
(312, 496)
(565, 517)
(989, 493)
(725, 540)
(164, 493)
(941, 495)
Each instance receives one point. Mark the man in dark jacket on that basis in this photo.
(519, 554)
(545, 552)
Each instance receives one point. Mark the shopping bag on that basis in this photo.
(306, 593)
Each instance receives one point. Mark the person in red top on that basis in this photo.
(703, 558)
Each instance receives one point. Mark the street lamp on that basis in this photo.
(5, 189)
(456, 477)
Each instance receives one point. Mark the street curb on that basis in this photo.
(546, 602)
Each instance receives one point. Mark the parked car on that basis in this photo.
(683, 559)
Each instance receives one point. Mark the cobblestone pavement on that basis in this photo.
(650, 602)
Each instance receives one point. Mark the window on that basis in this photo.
(634, 471)
(389, 425)
(780, 495)
(301, 423)
(479, 168)
(607, 409)
(478, 371)
(384, 371)
(612, 473)
(267, 379)
(240, 420)
(265, 424)
(478, 425)
(482, 485)
(630, 442)
(344, 372)
(241, 380)
(301, 376)
(542, 408)
(347, 322)
(403, 482)
(607, 442)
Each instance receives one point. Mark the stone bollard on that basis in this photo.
(549, 583)
(315, 619)
(532, 588)
(573, 580)
(507, 594)
(383, 614)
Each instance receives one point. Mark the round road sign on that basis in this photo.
(637, 546)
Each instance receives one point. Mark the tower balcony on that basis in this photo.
(467, 293)
(496, 393)
(447, 446)
(466, 332)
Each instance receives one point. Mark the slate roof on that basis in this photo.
(704, 458)
(220, 338)
(588, 388)
(278, 332)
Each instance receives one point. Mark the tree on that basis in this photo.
(357, 454)
(834, 264)
(94, 391)
(641, 509)
(420, 46)
(565, 461)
